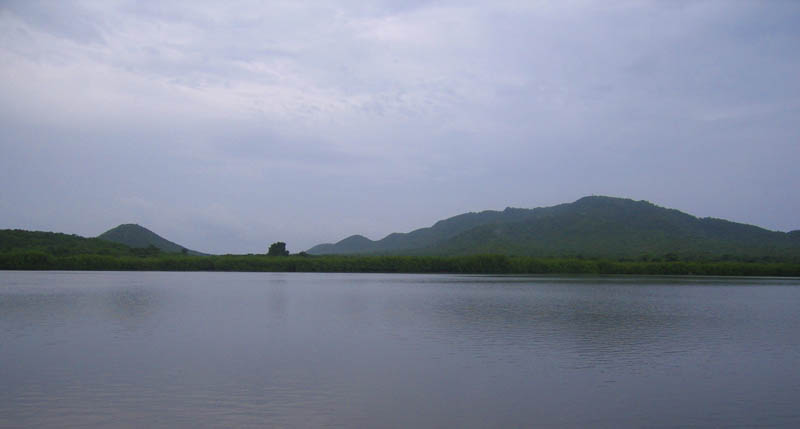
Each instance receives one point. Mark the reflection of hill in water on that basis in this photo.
(601, 321)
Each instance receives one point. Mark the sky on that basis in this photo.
(226, 126)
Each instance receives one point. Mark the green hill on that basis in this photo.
(56, 243)
(420, 238)
(604, 227)
(137, 236)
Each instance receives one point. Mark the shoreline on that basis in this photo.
(474, 264)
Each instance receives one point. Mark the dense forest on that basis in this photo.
(57, 244)
(470, 264)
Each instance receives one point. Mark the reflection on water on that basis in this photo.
(612, 323)
(299, 350)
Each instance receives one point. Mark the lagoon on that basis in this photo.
(154, 349)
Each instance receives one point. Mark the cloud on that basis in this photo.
(307, 123)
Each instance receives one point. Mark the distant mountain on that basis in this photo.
(420, 238)
(594, 226)
(137, 236)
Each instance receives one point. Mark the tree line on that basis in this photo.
(473, 264)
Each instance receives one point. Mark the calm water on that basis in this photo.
(368, 350)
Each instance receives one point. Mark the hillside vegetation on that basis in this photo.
(591, 227)
(137, 236)
(58, 244)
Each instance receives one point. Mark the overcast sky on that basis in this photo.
(225, 126)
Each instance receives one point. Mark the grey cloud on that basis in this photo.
(225, 127)
(60, 19)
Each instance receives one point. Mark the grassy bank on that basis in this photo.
(478, 264)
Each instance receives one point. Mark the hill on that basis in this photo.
(137, 236)
(596, 227)
(423, 237)
(56, 243)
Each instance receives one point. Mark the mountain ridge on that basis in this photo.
(592, 226)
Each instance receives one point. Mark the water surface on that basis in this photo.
(373, 350)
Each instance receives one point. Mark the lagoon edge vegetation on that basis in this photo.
(473, 264)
